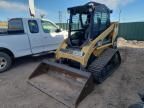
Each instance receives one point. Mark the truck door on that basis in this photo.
(37, 40)
(53, 34)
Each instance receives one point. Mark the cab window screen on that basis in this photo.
(104, 18)
(97, 17)
(33, 26)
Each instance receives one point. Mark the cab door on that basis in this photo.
(37, 40)
(53, 35)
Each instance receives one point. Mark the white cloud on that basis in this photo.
(18, 7)
(4, 4)
(114, 3)
(40, 12)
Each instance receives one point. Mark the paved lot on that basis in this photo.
(118, 91)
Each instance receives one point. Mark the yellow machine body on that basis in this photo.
(90, 47)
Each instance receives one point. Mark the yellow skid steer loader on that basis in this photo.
(88, 55)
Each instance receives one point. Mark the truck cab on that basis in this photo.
(28, 36)
(43, 34)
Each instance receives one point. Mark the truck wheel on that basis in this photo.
(5, 62)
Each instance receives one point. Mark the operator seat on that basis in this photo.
(81, 36)
(76, 38)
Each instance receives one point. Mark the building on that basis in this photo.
(3, 26)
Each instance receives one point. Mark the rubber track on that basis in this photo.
(99, 64)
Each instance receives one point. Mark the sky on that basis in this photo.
(128, 10)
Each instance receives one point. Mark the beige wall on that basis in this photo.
(3, 25)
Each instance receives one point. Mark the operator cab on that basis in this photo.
(87, 22)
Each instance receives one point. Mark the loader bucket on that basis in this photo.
(65, 84)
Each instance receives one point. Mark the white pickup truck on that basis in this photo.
(28, 36)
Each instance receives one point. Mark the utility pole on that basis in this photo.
(60, 19)
(120, 11)
(60, 16)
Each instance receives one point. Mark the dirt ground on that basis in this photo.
(118, 91)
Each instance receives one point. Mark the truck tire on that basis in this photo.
(5, 61)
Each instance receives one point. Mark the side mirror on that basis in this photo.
(58, 30)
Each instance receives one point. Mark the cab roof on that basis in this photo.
(85, 8)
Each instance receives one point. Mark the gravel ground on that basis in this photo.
(118, 91)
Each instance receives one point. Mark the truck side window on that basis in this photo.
(33, 26)
(48, 27)
(15, 26)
